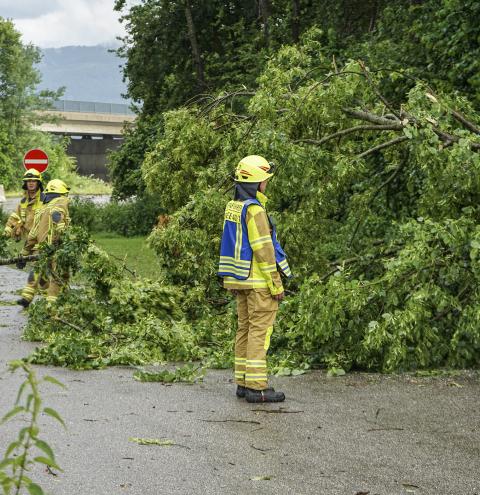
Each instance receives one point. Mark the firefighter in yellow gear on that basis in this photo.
(20, 221)
(251, 261)
(49, 224)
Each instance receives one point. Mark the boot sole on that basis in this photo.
(263, 401)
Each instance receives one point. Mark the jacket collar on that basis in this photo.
(262, 198)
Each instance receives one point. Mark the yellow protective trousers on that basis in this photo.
(34, 283)
(256, 311)
(56, 283)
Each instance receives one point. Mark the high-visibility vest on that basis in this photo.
(236, 253)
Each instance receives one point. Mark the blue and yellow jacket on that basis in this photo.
(250, 255)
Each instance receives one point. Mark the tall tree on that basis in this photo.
(18, 98)
(197, 56)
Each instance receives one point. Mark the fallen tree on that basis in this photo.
(375, 201)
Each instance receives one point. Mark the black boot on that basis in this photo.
(267, 395)
(23, 302)
(240, 391)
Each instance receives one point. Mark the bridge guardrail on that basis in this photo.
(92, 107)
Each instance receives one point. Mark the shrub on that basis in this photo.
(130, 218)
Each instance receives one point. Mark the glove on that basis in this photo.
(21, 264)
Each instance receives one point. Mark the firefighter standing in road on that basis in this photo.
(251, 260)
(21, 222)
(50, 223)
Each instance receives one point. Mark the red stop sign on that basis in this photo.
(36, 159)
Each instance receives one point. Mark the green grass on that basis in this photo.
(134, 250)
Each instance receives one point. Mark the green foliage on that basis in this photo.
(114, 320)
(375, 199)
(436, 40)
(19, 458)
(124, 164)
(389, 235)
(129, 218)
(172, 171)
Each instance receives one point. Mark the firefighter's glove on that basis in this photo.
(21, 264)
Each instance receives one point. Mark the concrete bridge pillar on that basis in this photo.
(91, 154)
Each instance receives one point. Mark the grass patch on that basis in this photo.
(133, 250)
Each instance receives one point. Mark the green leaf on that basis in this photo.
(336, 372)
(16, 410)
(50, 379)
(20, 392)
(297, 372)
(11, 448)
(48, 462)
(51, 412)
(45, 447)
(6, 462)
(35, 489)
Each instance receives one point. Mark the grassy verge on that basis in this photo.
(133, 250)
(85, 186)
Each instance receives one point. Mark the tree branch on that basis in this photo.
(344, 132)
(379, 147)
(375, 89)
(463, 120)
(369, 117)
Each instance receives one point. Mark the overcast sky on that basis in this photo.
(54, 23)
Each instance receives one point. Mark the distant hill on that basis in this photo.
(89, 73)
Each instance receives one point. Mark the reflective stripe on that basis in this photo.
(229, 265)
(229, 259)
(254, 378)
(244, 272)
(256, 361)
(250, 281)
(268, 268)
(238, 241)
(261, 240)
(267, 338)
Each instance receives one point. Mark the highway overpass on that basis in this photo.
(94, 128)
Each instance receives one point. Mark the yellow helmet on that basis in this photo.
(32, 174)
(253, 168)
(57, 186)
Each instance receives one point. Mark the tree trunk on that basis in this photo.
(373, 16)
(295, 20)
(197, 57)
(264, 14)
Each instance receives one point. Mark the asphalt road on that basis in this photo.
(358, 434)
